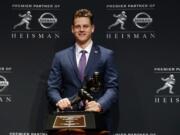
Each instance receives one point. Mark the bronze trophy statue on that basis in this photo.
(92, 85)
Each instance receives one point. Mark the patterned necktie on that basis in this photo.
(82, 64)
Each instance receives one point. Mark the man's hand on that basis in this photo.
(93, 106)
(64, 103)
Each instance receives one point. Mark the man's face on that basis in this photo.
(82, 29)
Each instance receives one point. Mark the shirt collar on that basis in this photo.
(87, 49)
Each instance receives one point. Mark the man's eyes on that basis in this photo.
(85, 26)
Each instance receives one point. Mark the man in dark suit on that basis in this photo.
(72, 65)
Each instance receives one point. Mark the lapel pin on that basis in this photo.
(96, 51)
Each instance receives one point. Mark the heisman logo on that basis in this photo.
(26, 18)
(3, 83)
(121, 18)
(169, 82)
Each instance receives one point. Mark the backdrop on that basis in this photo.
(144, 35)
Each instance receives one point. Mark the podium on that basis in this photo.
(77, 132)
(76, 123)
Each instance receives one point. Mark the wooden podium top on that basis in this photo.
(76, 120)
(77, 131)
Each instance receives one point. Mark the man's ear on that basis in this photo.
(72, 28)
(93, 28)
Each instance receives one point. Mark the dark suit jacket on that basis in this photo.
(64, 80)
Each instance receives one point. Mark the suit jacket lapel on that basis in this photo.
(92, 61)
(72, 57)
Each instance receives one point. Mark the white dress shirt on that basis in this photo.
(79, 49)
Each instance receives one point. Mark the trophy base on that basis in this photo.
(76, 120)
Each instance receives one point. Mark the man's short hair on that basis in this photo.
(83, 13)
